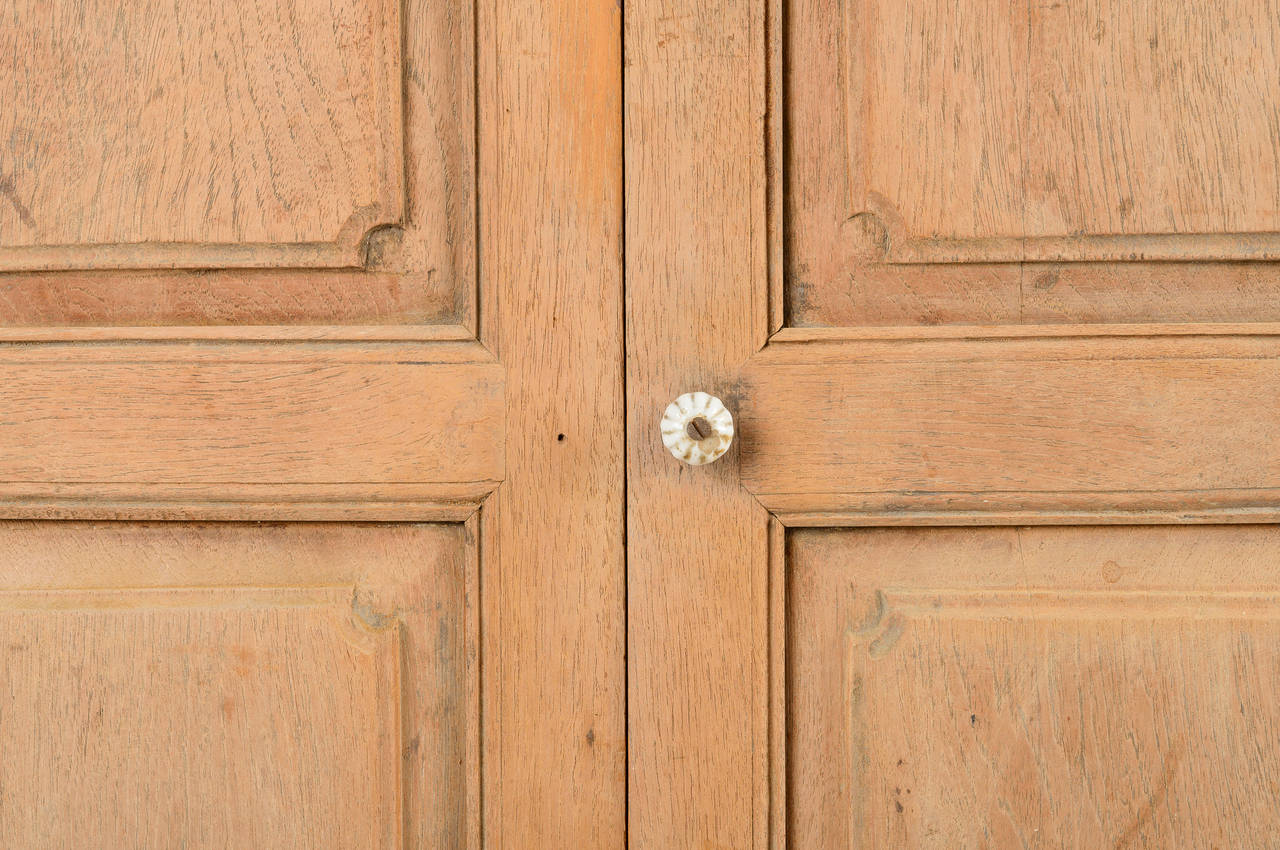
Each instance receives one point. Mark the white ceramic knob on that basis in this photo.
(697, 428)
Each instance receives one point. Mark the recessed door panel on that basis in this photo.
(267, 163)
(1022, 163)
(267, 685)
(1039, 687)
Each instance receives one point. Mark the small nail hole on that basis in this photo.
(560, 438)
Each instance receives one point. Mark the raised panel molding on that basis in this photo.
(290, 161)
(1097, 685)
(1090, 122)
(288, 684)
(193, 136)
(1023, 163)
(238, 682)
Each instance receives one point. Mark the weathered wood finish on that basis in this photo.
(1024, 163)
(275, 123)
(696, 539)
(551, 229)
(1012, 421)
(1016, 267)
(180, 165)
(294, 261)
(125, 415)
(1033, 687)
(290, 685)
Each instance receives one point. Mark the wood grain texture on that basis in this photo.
(1049, 687)
(275, 123)
(288, 685)
(127, 415)
(551, 228)
(696, 542)
(978, 163)
(223, 299)
(1018, 421)
(197, 159)
(1077, 391)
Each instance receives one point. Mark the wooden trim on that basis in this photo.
(1211, 259)
(295, 426)
(907, 249)
(776, 686)
(793, 348)
(242, 333)
(473, 820)
(372, 596)
(550, 128)
(829, 510)
(435, 502)
(776, 162)
(798, 335)
(488, 612)
(197, 352)
(698, 306)
(440, 104)
(342, 252)
(912, 423)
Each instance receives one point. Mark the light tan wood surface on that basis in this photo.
(556, 669)
(985, 163)
(1034, 687)
(311, 473)
(125, 130)
(184, 164)
(1001, 277)
(332, 515)
(287, 685)
(694, 536)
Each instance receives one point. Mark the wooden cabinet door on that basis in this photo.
(991, 290)
(310, 425)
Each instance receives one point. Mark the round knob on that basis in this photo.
(697, 428)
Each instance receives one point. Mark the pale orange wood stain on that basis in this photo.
(173, 165)
(1016, 266)
(1043, 687)
(241, 279)
(290, 685)
(1001, 269)
(933, 148)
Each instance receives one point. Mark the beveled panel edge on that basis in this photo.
(902, 249)
(278, 345)
(774, 61)
(344, 251)
(346, 248)
(363, 622)
(241, 333)
(792, 335)
(434, 502)
(871, 510)
(350, 250)
(804, 346)
(478, 528)
(775, 685)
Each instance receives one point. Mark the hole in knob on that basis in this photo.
(699, 428)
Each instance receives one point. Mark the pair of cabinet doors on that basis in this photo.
(336, 336)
